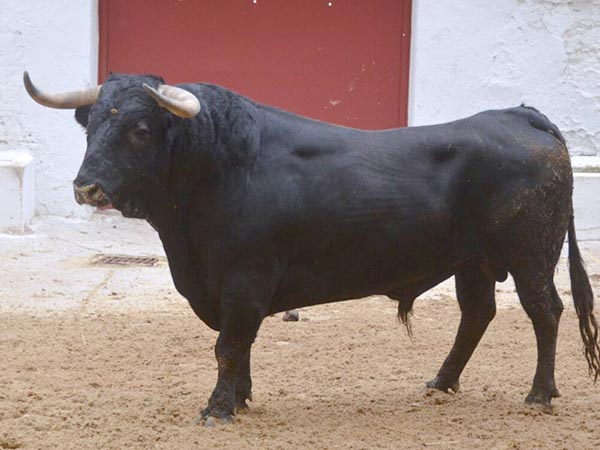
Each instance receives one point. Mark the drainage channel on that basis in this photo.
(124, 260)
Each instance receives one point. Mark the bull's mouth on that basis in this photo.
(131, 210)
(94, 195)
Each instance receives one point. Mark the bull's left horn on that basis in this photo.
(180, 102)
(62, 100)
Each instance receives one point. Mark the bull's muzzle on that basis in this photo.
(92, 195)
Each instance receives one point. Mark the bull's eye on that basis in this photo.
(140, 134)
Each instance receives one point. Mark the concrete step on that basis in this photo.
(586, 203)
(17, 188)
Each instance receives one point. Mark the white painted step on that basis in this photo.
(17, 190)
(586, 203)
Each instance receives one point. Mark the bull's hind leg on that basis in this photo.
(475, 292)
(543, 306)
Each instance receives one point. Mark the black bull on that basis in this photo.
(260, 211)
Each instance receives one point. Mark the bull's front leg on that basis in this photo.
(243, 307)
(233, 365)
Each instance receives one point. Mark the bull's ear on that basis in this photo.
(81, 115)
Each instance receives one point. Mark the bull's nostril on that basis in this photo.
(87, 190)
(86, 194)
(91, 194)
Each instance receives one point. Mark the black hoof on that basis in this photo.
(291, 316)
(211, 422)
(212, 414)
(538, 398)
(444, 386)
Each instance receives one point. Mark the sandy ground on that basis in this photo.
(104, 357)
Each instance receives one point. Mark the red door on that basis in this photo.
(342, 61)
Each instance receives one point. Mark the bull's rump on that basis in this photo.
(410, 205)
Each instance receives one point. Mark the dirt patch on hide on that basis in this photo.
(345, 377)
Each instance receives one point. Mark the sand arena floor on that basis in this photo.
(109, 357)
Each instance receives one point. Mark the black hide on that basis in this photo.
(260, 211)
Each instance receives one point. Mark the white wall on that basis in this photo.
(469, 55)
(56, 41)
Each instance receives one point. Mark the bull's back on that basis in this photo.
(397, 207)
(376, 215)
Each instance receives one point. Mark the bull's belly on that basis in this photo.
(350, 275)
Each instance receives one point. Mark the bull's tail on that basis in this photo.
(583, 298)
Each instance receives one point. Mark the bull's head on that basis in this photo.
(126, 120)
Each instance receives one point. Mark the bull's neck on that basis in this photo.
(207, 155)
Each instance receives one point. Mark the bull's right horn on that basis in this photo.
(62, 100)
(180, 102)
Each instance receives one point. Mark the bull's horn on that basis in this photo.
(62, 100)
(180, 102)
